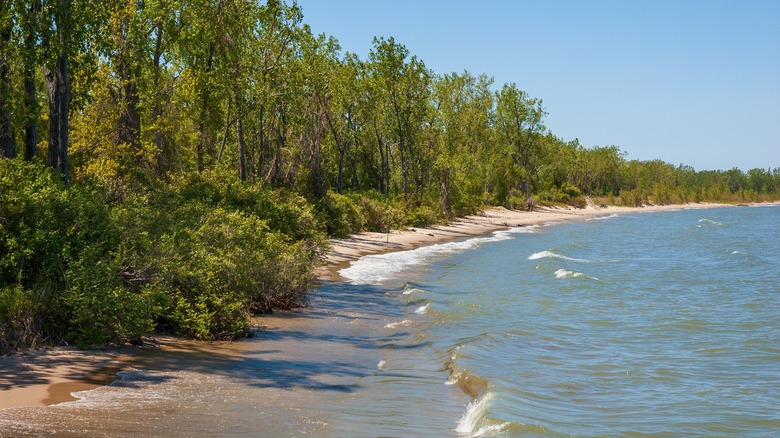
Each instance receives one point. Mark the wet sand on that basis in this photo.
(48, 377)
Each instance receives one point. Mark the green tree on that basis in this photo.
(519, 127)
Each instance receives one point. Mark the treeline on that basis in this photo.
(203, 149)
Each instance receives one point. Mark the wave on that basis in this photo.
(562, 273)
(409, 289)
(393, 325)
(550, 254)
(565, 273)
(422, 309)
(601, 218)
(377, 268)
(703, 223)
(476, 423)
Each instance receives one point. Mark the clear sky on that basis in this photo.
(688, 82)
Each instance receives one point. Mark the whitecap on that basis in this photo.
(550, 254)
(474, 417)
(381, 364)
(709, 222)
(601, 218)
(422, 309)
(561, 273)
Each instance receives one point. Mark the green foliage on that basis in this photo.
(341, 214)
(102, 310)
(50, 237)
(421, 216)
(194, 257)
(567, 194)
(377, 213)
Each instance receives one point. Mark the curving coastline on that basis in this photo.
(48, 377)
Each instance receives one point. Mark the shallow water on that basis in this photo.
(662, 324)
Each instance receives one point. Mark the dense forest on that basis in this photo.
(178, 165)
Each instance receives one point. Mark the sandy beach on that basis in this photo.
(349, 249)
(47, 377)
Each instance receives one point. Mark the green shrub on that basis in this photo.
(421, 216)
(215, 260)
(285, 211)
(341, 215)
(102, 310)
(45, 230)
(195, 257)
(565, 194)
(378, 214)
(21, 319)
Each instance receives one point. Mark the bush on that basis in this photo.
(565, 194)
(59, 279)
(378, 214)
(102, 309)
(203, 247)
(21, 319)
(341, 216)
(421, 216)
(195, 257)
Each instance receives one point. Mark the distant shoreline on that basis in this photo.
(347, 250)
(47, 377)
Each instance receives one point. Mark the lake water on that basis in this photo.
(653, 324)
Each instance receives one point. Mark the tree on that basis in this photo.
(403, 83)
(464, 106)
(519, 126)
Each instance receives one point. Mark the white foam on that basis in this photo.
(472, 419)
(550, 254)
(374, 269)
(422, 309)
(561, 273)
(601, 218)
(709, 222)
(492, 429)
(381, 364)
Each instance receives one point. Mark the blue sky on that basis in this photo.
(691, 82)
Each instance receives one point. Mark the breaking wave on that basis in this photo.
(550, 254)
(374, 269)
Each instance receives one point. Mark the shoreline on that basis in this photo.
(48, 377)
(347, 250)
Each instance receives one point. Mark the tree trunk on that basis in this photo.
(342, 148)
(163, 159)
(385, 178)
(57, 88)
(444, 199)
(241, 145)
(204, 137)
(317, 180)
(281, 141)
(7, 145)
(30, 91)
(261, 134)
(129, 118)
